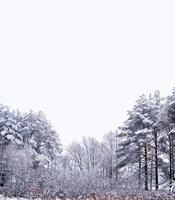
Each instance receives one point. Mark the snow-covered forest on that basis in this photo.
(138, 156)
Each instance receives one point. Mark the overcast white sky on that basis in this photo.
(84, 63)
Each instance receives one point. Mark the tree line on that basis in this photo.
(139, 155)
(147, 146)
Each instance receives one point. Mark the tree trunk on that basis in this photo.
(140, 166)
(116, 159)
(172, 154)
(110, 169)
(156, 161)
(170, 162)
(146, 167)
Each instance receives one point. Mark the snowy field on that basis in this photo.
(134, 196)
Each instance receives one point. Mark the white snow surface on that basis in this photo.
(7, 198)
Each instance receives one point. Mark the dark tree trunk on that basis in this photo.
(146, 166)
(156, 161)
(140, 166)
(110, 169)
(170, 162)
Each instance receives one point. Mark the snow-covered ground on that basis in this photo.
(7, 198)
(134, 196)
(12, 198)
